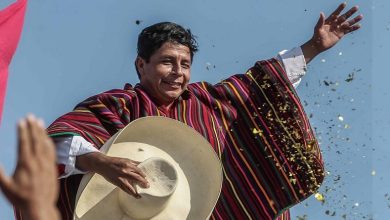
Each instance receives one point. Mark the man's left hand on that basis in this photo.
(331, 30)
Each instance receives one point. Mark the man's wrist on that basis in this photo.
(40, 212)
(310, 50)
(90, 162)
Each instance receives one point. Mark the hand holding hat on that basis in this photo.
(184, 173)
(121, 172)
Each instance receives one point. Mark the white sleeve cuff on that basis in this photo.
(68, 148)
(294, 64)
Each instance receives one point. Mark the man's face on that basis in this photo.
(166, 75)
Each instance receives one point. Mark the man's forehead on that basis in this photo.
(169, 48)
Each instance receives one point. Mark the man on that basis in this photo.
(254, 122)
(33, 188)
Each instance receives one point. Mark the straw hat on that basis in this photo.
(184, 173)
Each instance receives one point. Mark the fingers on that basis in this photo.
(6, 184)
(336, 13)
(353, 28)
(23, 141)
(4, 180)
(140, 180)
(352, 21)
(138, 170)
(347, 14)
(129, 188)
(37, 139)
(321, 21)
(34, 134)
(46, 147)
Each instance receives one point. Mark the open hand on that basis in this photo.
(329, 31)
(33, 188)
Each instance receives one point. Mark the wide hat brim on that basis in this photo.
(187, 147)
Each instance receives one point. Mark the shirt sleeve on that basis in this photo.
(68, 148)
(293, 62)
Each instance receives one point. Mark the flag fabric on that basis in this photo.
(11, 23)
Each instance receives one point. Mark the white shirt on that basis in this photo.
(68, 148)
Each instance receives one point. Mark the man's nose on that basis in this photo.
(177, 69)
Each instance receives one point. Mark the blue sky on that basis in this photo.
(70, 50)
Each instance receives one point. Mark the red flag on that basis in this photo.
(11, 23)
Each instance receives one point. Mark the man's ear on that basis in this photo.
(140, 63)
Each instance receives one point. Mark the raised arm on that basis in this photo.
(331, 30)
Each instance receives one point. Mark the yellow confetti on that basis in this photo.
(255, 131)
(293, 181)
(319, 197)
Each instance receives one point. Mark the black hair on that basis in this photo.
(153, 37)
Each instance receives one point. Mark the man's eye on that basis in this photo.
(185, 66)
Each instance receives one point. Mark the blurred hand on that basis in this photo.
(121, 172)
(33, 188)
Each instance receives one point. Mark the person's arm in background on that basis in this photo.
(331, 30)
(33, 188)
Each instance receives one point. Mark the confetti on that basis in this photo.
(328, 212)
(350, 77)
(323, 60)
(340, 53)
(373, 173)
(319, 197)
(304, 217)
(255, 131)
(341, 118)
(208, 66)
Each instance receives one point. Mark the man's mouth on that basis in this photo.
(173, 84)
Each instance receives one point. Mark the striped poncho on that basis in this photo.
(254, 121)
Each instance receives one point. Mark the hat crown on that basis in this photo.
(161, 175)
(163, 178)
